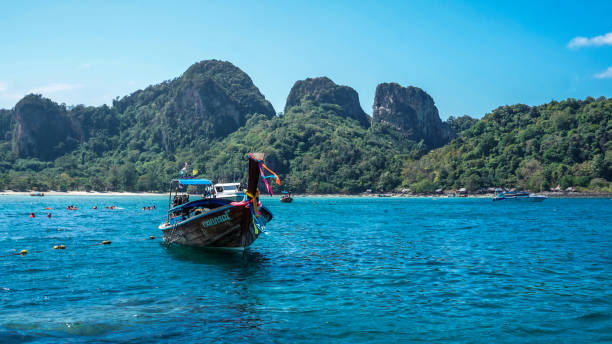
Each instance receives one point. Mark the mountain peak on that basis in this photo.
(412, 111)
(323, 90)
(233, 81)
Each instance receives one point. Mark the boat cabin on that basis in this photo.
(190, 197)
(228, 187)
(231, 191)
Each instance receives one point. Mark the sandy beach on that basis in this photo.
(368, 195)
(82, 193)
(489, 195)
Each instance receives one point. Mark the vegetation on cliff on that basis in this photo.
(316, 150)
(412, 111)
(312, 147)
(320, 91)
(213, 115)
(565, 144)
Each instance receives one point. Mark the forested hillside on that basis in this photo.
(317, 151)
(213, 115)
(132, 145)
(210, 117)
(564, 144)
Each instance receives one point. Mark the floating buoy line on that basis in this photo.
(63, 247)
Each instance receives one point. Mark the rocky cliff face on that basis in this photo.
(42, 129)
(324, 91)
(7, 124)
(236, 86)
(411, 110)
(210, 100)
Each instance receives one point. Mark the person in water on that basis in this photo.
(32, 215)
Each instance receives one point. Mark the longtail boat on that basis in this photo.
(286, 197)
(216, 222)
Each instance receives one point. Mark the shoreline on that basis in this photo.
(398, 195)
(80, 193)
(373, 195)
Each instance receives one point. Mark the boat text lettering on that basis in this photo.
(216, 220)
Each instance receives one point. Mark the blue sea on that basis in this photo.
(327, 270)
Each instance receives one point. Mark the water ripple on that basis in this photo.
(328, 270)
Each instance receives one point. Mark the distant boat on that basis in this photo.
(215, 222)
(231, 191)
(518, 195)
(286, 197)
(39, 194)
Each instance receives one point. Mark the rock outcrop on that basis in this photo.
(221, 78)
(210, 100)
(324, 91)
(412, 111)
(42, 129)
(7, 124)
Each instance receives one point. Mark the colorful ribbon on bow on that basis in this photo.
(277, 180)
(265, 178)
(258, 225)
(255, 204)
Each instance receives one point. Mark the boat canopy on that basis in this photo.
(227, 184)
(193, 181)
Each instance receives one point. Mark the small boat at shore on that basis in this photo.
(286, 197)
(37, 194)
(216, 222)
(518, 196)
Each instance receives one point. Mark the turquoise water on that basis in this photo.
(339, 270)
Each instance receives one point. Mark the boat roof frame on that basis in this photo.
(189, 181)
(227, 184)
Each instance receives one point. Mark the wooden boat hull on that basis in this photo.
(216, 222)
(229, 226)
(234, 198)
(286, 200)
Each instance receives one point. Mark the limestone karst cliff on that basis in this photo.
(324, 91)
(411, 110)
